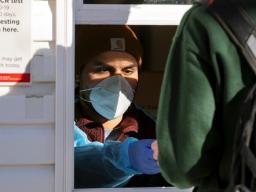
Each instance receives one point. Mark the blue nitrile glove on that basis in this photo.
(141, 157)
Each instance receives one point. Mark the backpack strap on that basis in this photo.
(242, 31)
(249, 117)
(240, 27)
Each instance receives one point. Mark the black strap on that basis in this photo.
(242, 30)
(249, 159)
(239, 26)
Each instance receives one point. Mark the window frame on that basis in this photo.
(69, 13)
(130, 14)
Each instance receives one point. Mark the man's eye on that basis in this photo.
(129, 71)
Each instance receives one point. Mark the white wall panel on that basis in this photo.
(38, 48)
(31, 144)
(27, 179)
(26, 109)
(43, 67)
(27, 115)
(43, 61)
(43, 22)
(32, 89)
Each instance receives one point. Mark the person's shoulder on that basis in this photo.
(198, 26)
(191, 20)
(198, 12)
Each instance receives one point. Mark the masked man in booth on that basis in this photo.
(114, 140)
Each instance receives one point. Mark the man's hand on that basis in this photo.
(143, 154)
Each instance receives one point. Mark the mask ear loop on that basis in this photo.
(86, 90)
(83, 99)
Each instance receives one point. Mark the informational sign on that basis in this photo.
(15, 41)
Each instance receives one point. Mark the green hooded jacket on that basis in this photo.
(204, 79)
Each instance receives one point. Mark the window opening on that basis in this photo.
(155, 41)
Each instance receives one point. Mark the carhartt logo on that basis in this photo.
(117, 44)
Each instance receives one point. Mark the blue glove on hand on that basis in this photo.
(141, 157)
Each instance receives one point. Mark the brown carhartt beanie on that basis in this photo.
(92, 40)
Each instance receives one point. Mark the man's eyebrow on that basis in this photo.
(100, 63)
(132, 65)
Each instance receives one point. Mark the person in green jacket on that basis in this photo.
(204, 78)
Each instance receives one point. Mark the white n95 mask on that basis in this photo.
(111, 97)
